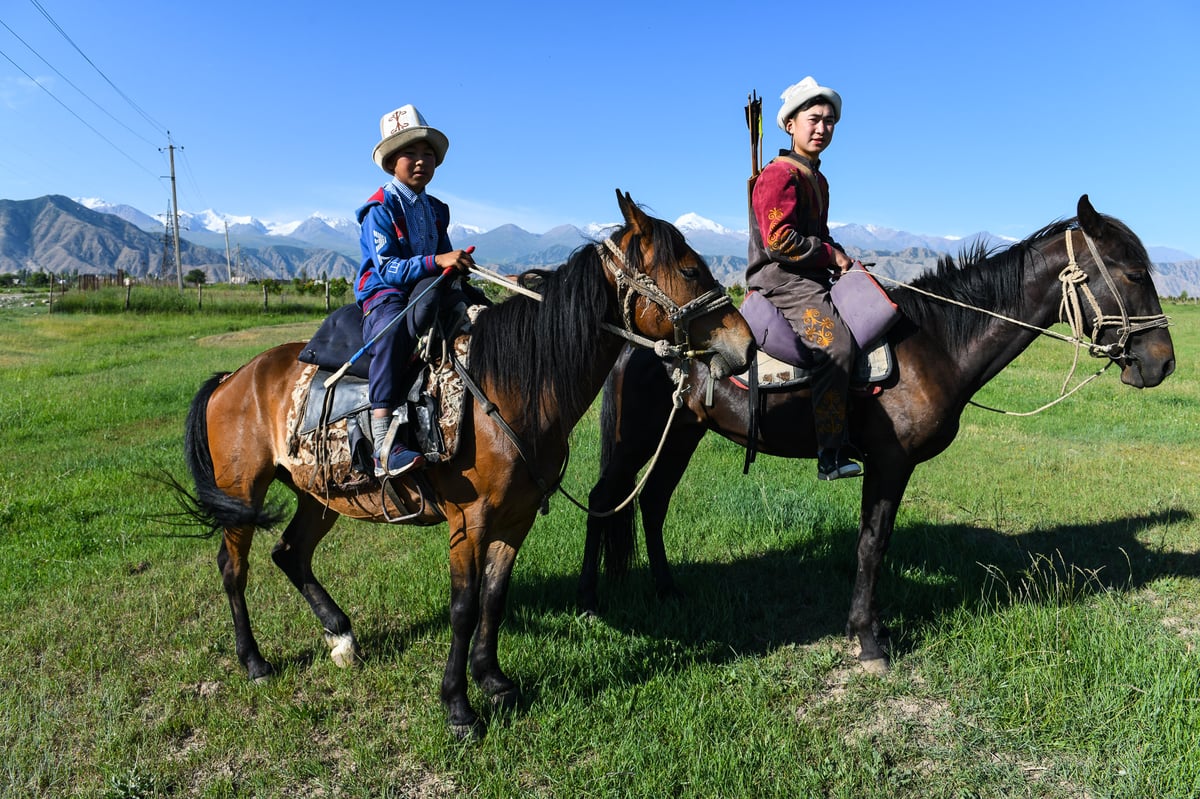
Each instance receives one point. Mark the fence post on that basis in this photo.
(264, 296)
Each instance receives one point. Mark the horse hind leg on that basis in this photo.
(293, 555)
(233, 563)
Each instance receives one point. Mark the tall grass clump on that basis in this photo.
(1060, 662)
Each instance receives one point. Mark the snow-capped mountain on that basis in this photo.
(896, 253)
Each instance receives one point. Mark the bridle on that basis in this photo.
(1075, 284)
(630, 284)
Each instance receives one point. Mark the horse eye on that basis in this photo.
(690, 272)
(1139, 276)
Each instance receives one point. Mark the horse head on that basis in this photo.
(1136, 335)
(667, 293)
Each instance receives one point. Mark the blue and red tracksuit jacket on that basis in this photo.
(389, 265)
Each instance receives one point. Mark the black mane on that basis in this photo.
(545, 352)
(989, 278)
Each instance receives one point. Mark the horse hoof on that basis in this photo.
(876, 666)
(506, 701)
(471, 732)
(344, 650)
(260, 672)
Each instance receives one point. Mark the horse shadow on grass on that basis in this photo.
(800, 594)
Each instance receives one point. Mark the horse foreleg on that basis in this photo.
(656, 499)
(602, 532)
(293, 554)
(233, 564)
(464, 616)
(485, 664)
(883, 488)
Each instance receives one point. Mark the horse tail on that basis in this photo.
(211, 506)
(618, 539)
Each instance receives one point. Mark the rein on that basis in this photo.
(1074, 282)
(629, 284)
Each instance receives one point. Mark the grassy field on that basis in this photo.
(1043, 586)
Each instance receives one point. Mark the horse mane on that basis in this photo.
(546, 352)
(992, 278)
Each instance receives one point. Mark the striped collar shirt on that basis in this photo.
(422, 231)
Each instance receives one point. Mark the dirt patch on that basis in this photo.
(24, 299)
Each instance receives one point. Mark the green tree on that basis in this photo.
(196, 277)
(338, 288)
(737, 293)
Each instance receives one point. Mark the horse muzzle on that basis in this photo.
(1149, 361)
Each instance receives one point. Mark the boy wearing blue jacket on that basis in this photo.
(405, 246)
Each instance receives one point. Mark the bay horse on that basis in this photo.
(944, 352)
(541, 364)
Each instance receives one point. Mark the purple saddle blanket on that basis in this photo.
(863, 304)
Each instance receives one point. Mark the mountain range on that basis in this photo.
(90, 236)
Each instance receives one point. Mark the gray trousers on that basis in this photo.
(809, 310)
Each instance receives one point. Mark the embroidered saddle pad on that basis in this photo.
(329, 427)
(872, 366)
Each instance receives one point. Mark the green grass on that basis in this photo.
(1043, 587)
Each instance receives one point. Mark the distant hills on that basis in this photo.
(61, 235)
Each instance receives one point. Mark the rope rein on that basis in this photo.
(1074, 282)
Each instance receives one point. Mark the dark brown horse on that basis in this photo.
(542, 364)
(944, 353)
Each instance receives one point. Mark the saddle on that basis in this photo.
(330, 426)
(785, 363)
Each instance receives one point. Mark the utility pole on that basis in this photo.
(228, 264)
(175, 212)
(166, 246)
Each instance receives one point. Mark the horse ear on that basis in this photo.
(1089, 220)
(634, 216)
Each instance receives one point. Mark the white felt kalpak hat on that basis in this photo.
(800, 93)
(404, 126)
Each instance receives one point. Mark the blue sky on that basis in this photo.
(958, 117)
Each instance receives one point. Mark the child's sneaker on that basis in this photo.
(400, 460)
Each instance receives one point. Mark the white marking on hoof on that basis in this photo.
(343, 649)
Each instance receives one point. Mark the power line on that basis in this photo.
(37, 83)
(132, 104)
(72, 85)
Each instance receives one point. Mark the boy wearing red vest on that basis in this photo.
(792, 260)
